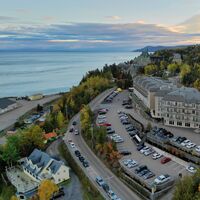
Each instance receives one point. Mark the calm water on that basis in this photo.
(49, 72)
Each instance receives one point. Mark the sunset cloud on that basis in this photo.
(113, 18)
(96, 36)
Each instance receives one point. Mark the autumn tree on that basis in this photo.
(173, 68)
(46, 189)
(197, 84)
(31, 138)
(189, 186)
(60, 119)
(13, 198)
(86, 120)
(151, 69)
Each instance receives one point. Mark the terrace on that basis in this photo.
(22, 182)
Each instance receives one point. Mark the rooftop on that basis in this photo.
(184, 94)
(5, 102)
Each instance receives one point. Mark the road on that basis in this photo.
(9, 118)
(72, 190)
(97, 168)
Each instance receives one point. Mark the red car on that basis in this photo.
(165, 160)
(105, 124)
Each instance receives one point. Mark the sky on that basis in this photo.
(116, 25)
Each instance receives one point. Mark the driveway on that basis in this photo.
(73, 190)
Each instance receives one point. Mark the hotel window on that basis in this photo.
(171, 122)
(193, 111)
(179, 123)
(187, 124)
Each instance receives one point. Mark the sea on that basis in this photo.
(26, 73)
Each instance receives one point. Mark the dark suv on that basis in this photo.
(140, 168)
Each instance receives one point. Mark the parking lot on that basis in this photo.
(173, 167)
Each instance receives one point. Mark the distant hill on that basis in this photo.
(157, 48)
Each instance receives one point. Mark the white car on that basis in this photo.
(156, 156)
(101, 117)
(197, 149)
(76, 132)
(101, 121)
(112, 195)
(127, 161)
(190, 145)
(72, 145)
(162, 178)
(144, 149)
(185, 142)
(191, 169)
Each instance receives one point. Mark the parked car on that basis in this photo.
(140, 168)
(148, 152)
(197, 149)
(165, 160)
(71, 130)
(112, 195)
(148, 175)
(156, 156)
(77, 153)
(85, 163)
(143, 172)
(72, 145)
(140, 147)
(76, 132)
(144, 149)
(190, 145)
(100, 181)
(125, 153)
(191, 169)
(74, 123)
(81, 158)
(106, 187)
(162, 179)
(58, 194)
(111, 131)
(128, 106)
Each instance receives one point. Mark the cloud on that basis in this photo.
(49, 18)
(23, 11)
(191, 25)
(113, 18)
(93, 36)
(7, 18)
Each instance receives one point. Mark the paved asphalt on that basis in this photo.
(97, 168)
(72, 190)
(9, 118)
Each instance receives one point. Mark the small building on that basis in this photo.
(39, 166)
(50, 136)
(177, 58)
(35, 97)
(7, 104)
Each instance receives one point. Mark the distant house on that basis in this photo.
(7, 104)
(156, 59)
(177, 58)
(35, 97)
(39, 166)
(50, 136)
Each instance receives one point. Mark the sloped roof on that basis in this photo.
(5, 102)
(39, 158)
(50, 135)
(184, 94)
(55, 166)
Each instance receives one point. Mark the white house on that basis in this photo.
(39, 165)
